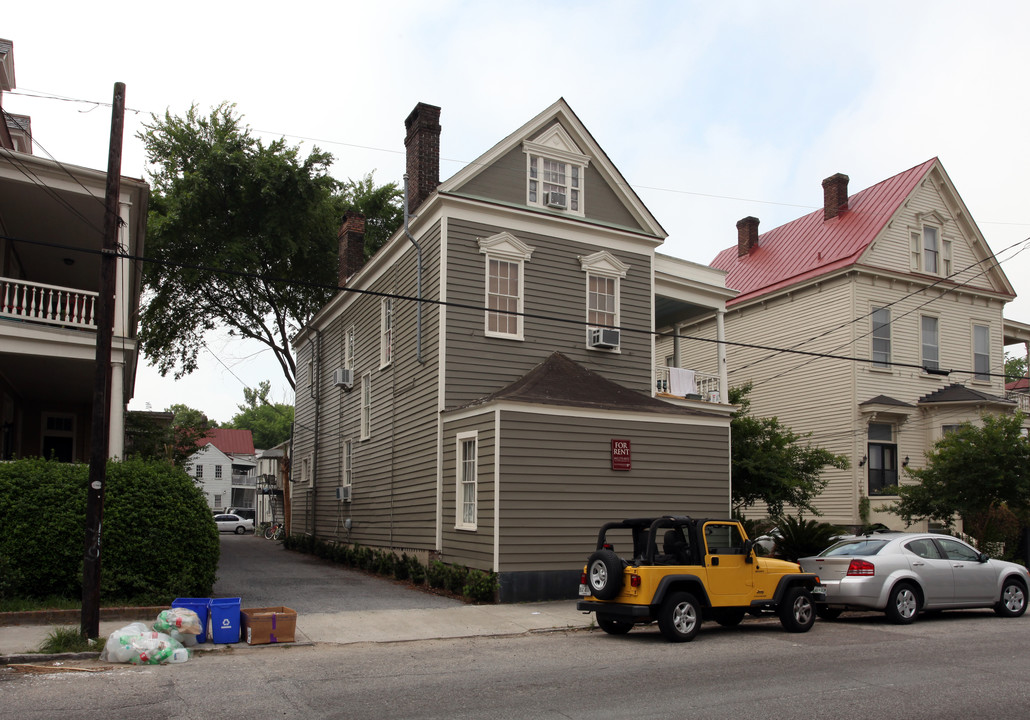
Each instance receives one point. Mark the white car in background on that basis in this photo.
(234, 524)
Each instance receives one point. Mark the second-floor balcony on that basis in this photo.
(688, 384)
(1022, 400)
(48, 304)
(243, 480)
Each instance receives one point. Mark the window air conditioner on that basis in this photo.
(343, 493)
(604, 338)
(556, 200)
(343, 377)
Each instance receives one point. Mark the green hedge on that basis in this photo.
(158, 540)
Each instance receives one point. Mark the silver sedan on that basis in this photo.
(903, 574)
(234, 523)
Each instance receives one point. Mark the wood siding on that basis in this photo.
(472, 548)
(555, 286)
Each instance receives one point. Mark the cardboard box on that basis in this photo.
(262, 626)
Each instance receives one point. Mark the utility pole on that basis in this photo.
(100, 437)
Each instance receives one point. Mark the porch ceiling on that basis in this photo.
(49, 380)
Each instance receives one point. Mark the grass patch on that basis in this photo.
(68, 640)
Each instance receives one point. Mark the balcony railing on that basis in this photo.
(37, 302)
(1021, 398)
(244, 480)
(704, 386)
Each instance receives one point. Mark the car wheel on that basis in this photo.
(612, 626)
(604, 574)
(729, 617)
(827, 613)
(679, 618)
(903, 604)
(1013, 599)
(797, 610)
(240, 530)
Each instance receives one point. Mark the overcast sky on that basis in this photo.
(711, 110)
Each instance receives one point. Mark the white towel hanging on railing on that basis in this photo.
(681, 382)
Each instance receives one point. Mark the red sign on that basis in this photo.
(621, 455)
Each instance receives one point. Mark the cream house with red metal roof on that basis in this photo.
(224, 465)
(898, 298)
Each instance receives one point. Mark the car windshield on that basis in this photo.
(861, 546)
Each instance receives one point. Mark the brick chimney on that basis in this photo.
(835, 196)
(352, 245)
(747, 235)
(423, 149)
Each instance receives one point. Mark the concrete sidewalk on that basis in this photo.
(360, 626)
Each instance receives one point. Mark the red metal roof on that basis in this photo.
(811, 246)
(230, 441)
(1021, 384)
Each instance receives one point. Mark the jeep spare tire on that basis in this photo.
(604, 574)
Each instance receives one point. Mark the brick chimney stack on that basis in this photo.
(747, 235)
(423, 150)
(352, 245)
(835, 196)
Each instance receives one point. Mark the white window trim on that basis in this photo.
(348, 463)
(917, 249)
(972, 337)
(880, 366)
(605, 265)
(308, 471)
(385, 332)
(922, 343)
(556, 144)
(366, 407)
(507, 248)
(348, 347)
(460, 479)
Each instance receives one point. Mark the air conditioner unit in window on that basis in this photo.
(603, 338)
(343, 493)
(555, 199)
(343, 377)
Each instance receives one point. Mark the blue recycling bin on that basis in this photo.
(225, 620)
(201, 606)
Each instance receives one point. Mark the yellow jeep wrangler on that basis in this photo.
(705, 570)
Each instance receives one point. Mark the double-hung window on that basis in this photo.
(385, 332)
(930, 250)
(930, 342)
(506, 258)
(604, 274)
(348, 462)
(981, 352)
(466, 510)
(218, 471)
(556, 172)
(883, 459)
(366, 406)
(881, 337)
(348, 348)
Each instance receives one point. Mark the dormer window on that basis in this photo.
(930, 249)
(556, 171)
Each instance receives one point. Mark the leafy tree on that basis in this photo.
(770, 465)
(971, 473)
(1015, 367)
(381, 207)
(270, 423)
(224, 200)
(188, 426)
(798, 538)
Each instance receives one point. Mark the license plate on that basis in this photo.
(584, 591)
(819, 592)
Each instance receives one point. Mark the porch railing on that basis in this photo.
(37, 302)
(1021, 398)
(706, 387)
(244, 480)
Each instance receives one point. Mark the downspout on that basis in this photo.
(418, 313)
(316, 395)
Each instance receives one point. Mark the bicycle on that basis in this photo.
(275, 531)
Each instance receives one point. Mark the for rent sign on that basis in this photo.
(620, 455)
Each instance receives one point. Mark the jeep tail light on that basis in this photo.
(583, 579)
(861, 568)
(634, 581)
(607, 546)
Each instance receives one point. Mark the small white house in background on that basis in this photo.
(223, 465)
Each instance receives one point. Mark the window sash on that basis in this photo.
(981, 352)
(218, 471)
(386, 332)
(366, 406)
(930, 342)
(883, 467)
(348, 349)
(548, 175)
(930, 250)
(601, 304)
(881, 337)
(468, 482)
(348, 462)
(503, 297)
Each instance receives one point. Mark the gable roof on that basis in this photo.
(1020, 384)
(811, 246)
(577, 132)
(559, 380)
(230, 441)
(956, 393)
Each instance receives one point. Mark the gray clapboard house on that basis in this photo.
(498, 422)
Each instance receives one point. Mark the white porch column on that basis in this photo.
(720, 335)
(116, 423)
(676, 346)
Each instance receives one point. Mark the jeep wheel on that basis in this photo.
(604, 574)
(679, 618)
(729, 617)
(612, 626)
(797, 610)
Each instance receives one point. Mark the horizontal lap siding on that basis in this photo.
(558, 487)
(472, 548)
(394, 471)
(555, 286)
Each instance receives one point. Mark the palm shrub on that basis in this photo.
(800, 538)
